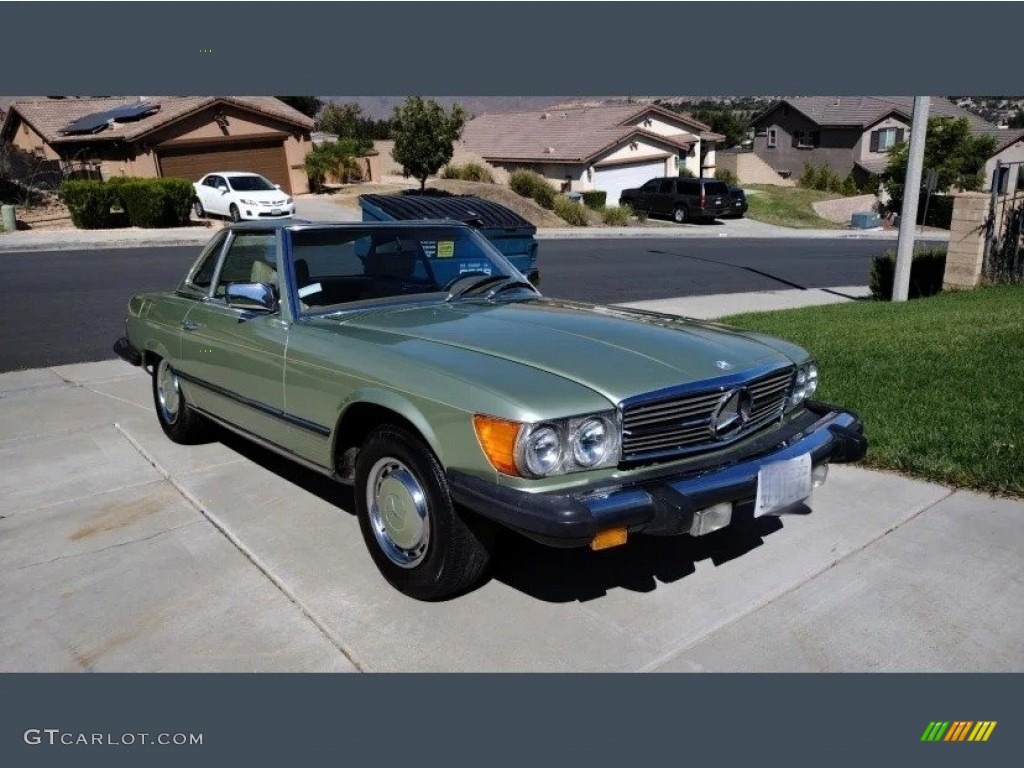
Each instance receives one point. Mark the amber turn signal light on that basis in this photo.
(613, 537)
(498, 439)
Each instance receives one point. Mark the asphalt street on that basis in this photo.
(68, 306)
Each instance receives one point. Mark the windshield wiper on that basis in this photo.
(511, 282)
(476, 284)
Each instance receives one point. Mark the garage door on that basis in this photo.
(616, 178)
(194, 162)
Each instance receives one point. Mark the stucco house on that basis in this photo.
(848, 133)
(182, 136)
(604, 147)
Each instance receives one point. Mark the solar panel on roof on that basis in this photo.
(97, 121)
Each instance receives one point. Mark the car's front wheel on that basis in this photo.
(417, 538)
(199, 210)
(179, 422)
(235, 213)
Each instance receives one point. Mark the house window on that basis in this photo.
(806, 139)
(772, 137)
(885, 139)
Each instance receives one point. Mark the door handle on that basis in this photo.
(189, 325)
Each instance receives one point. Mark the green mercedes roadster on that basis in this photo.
(412, 360)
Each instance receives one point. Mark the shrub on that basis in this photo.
(468, 172)
(523, 182)
(727, 176)
(809, 178)
(926, 273)
(573, 213)
(595, 199)
(154, 203)
(641, 216)
(336, 160)
(685, 173)
(89, 203)
(849, 185)
(616, 216)
(531, 184)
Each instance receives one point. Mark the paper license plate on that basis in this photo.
(782, 483)
(276, 211)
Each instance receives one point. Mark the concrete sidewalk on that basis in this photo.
(318, 209)
(120, 551)
(714, 306)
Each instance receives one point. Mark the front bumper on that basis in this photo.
(660, 501)
(124, 349)
(259, 213)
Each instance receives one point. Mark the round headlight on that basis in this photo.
(542, 451)
(591, 442)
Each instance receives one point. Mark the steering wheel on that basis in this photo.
(475, 273)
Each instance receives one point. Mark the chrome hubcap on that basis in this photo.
(398, 512)
(168, 394)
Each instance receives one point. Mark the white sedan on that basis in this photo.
(241, 196)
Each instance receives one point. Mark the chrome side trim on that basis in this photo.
(277, 413)
(264, 443)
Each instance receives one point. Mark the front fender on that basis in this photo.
(400, 404)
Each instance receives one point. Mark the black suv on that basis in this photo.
(682, 199)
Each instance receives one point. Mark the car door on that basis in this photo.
(648, 194)
(664, 200)
(231, 358)
(218, 200)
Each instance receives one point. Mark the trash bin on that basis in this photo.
(8, 221)
(509, 232)
(865, 220)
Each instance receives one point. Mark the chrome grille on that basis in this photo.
(662, 425)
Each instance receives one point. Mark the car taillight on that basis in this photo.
(703, 201)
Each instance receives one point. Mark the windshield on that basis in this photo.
(337, 267)
(250, 184)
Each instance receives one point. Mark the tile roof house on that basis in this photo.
(185, 136)
(848, 133)
(605, 147)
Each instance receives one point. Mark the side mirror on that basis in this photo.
(256, 297)
(223, 189)
(277, 186)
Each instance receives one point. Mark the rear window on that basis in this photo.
(716, 188)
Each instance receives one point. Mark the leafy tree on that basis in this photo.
(725, 121)
(949, 148)
(347, 122)
(1017, 121)
(424, 133)
(307, 105)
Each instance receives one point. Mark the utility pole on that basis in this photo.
(911, 193)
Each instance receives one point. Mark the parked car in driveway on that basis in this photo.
(241, 196)
(412, 360)
(739, 203)
(681, 198)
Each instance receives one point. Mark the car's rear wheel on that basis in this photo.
(417, 538)
(179, 422)
(679, 215)
(199, 210)
(235, 214)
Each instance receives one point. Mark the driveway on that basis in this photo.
(120, 551)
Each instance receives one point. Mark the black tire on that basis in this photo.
(456, 550)
(180, 423)
(680, 215)
(200, 212)
(235, 215)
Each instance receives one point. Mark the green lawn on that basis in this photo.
(939, 382)
(788, 206)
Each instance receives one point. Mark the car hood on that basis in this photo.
(267, 194)
(615, 351)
